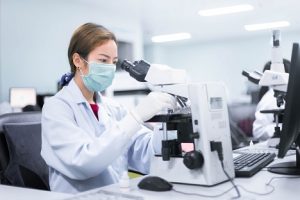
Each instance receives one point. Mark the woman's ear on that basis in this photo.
(77, 60)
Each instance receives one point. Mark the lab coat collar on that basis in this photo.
(77, 94)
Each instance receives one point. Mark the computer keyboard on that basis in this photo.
(248, 164)
(262, 150)
(104, 195)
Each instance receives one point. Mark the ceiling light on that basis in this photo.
(226, 10)
(171, 37)
(271, 25)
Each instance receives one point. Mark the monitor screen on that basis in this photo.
(291, 118)
(42, 98)
(20, 97)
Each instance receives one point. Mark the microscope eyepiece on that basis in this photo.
(124, 64)
(138, 69)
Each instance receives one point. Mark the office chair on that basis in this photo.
(26, 167)
(32, 180)
(30, 108)
(12, 118)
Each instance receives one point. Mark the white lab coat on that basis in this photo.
(85, 153)
(263, 125)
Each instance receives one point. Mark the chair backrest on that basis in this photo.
(34, 116)
(26, 167)
(12, 118)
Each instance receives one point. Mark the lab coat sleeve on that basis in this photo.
(263, 125)
(75, 153)
(145, 144)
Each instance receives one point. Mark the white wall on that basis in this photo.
(35, 35)
(221, 60)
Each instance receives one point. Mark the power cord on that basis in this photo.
(232, 182)
(269, 185)
(242, 187)
(204, 195)
(217, 146)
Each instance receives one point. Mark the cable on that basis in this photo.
(257, 193)
(280, 177)
(242, 187)
(269, 185)
(217, 146)
(231, 180)
(217, 195)
(204, 195)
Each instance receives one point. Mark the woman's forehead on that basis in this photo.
(107, 49)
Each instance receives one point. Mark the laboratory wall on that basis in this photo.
(223, 59)
(35, 35)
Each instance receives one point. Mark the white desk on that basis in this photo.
(284, 189)
(18, 193)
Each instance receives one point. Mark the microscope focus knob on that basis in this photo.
(193, 160)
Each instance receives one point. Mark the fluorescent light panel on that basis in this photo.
(263, 26)
(171, 37)
(226, 10)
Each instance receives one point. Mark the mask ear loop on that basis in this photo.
(84, 60)
(80, 71)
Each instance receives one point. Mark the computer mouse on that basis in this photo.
(155, 183)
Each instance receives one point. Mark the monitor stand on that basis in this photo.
(288, 168)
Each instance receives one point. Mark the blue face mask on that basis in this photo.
(100, 76)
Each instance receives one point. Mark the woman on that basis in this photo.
(88, 139)
(263, 125)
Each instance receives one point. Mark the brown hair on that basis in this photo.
(85, 38)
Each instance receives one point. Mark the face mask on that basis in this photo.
(100, 76)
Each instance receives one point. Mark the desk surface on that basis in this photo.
(18, 193)
(284, 189)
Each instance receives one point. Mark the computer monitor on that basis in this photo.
(41, 98)
(20, 97)
(291, 119)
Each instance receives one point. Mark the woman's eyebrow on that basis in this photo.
(101, 54)
(107, 56)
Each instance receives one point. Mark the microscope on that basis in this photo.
(196, 145)
(275, 78)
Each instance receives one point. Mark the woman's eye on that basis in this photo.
(103, 60)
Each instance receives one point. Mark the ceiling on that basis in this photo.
(172, 16)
